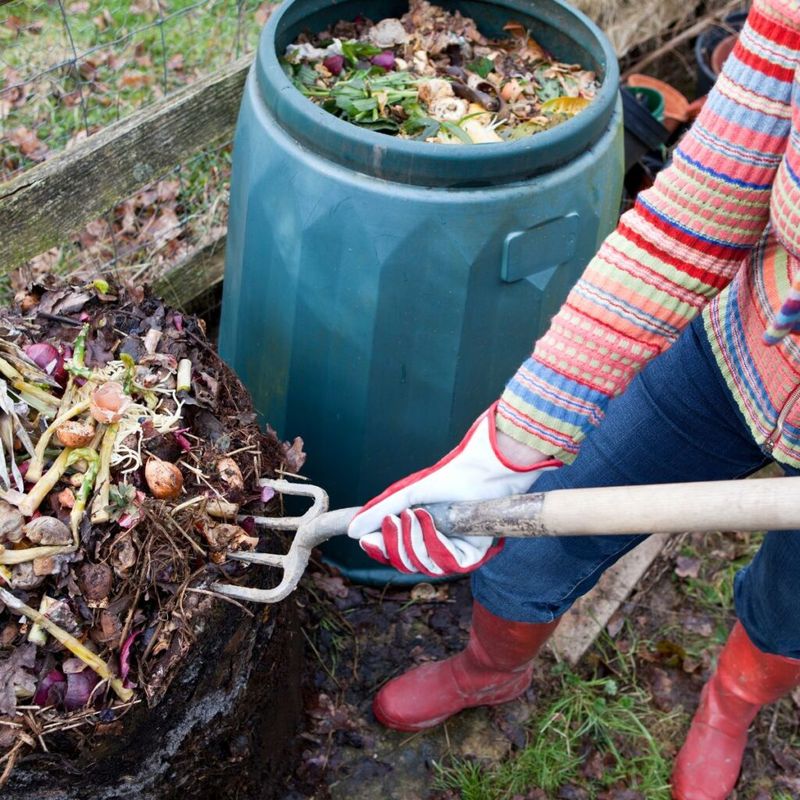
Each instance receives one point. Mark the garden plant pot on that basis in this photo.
(676, 106)
(706, 44)
(643, 132)
(651, 99)
(379, 292)
(721, 52)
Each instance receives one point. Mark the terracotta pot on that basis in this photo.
(721, 52)
(676, 106)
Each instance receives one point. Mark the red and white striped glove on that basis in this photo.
(389, 530)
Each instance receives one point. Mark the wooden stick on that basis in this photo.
(670, 508)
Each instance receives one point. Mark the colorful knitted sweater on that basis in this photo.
(717, 234)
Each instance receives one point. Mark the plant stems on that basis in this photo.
(30, 553)
(33, 499)
(101, 500)
(184, 381)
(91, 660)
(82, 496)
(77, 364)
(42, 395)
(36, 634)
(37, 462)
(9, 371)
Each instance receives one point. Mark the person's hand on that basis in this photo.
(485, 465)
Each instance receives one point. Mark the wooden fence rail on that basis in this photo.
(43, 206)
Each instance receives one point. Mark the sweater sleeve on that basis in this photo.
(674, 251)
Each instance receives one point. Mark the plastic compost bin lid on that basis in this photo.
(566, 32)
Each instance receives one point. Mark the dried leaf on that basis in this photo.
(167, 190)
(698, 624)
(15, 677)
(332, 585)
(687, 566)
(164, 225)
(294, 455)
(565, 105)
(134, 79)
(103, 20)
(28, 143)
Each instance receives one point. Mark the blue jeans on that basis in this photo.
(676, 422)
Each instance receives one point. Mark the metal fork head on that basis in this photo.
(296, 560)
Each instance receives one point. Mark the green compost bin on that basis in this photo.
(379, 292)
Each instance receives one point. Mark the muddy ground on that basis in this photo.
(357, 638)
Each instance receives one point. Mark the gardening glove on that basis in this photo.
(392, 532)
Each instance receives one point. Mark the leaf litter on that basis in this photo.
(358, 641)
(128, 451)
(432, 76)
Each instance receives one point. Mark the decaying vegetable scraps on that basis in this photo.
(432, 76)
(129, 457)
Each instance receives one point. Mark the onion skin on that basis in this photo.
(45, 530)
(229, 471)
(334, 64)
(385, 59)
(125, 658)
(164, 480)
(48, 358)
(109, 403)
(79, 688)
(75, 433)
(44, 696)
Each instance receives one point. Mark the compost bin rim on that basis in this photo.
(422, 163)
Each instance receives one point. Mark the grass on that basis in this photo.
(58, 81)
(608, 715)
(109, 59)
(712, 590)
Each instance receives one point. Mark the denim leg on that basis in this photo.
(766, 593)
(676, 422)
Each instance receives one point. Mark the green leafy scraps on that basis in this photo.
(355, 51)
(366, 95)
(483, 66)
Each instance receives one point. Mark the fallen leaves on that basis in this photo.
(687, 566)
(28, 143)
(332, 585)
(16, 678)
(135, 79)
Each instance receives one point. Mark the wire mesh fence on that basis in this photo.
(68, 68)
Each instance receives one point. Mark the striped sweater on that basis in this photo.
(718, 234)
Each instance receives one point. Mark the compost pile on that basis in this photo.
(433, 76)
(128, 453)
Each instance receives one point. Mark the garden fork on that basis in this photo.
(669, 508)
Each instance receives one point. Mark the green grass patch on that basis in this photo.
(608, 720)
(712, 589)
(59, 79)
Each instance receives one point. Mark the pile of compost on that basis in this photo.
(130, 458)
(433, 76)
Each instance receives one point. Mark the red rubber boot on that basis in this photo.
(495, 667)
(708, 764)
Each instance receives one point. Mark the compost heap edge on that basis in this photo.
(115, 520)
